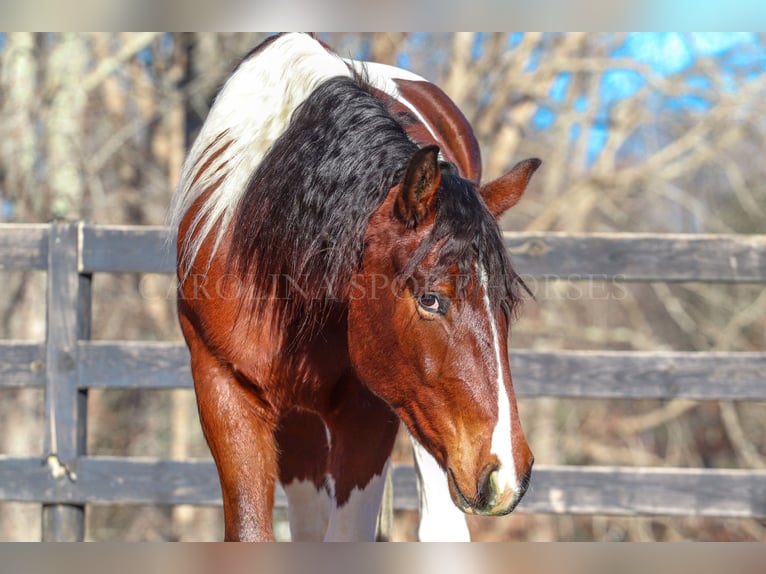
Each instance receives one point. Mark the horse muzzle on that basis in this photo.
(494, 496)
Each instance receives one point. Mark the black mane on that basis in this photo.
(464, 233)
(300, 226)
(299, 229)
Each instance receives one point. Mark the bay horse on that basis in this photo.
(341, 270)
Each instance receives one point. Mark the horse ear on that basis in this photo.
(419, 186)
(504, 192)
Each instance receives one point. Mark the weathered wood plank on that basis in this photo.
(26, 480)
(554, 489)
(65, 405)
(631, 257)
(627, 256)
(639, 375)
(134, 364)
(126, 249)
(63, 326)
(644, 491)
(117, 480)
(626, 491)
(639, 257)
(22, 364)
(149, 481)
(575, 374)
(23, 246)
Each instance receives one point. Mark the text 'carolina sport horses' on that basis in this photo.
(341, 270)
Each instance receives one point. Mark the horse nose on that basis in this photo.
(493, 498)
(486, 489)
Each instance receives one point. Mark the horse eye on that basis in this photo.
(430, 302)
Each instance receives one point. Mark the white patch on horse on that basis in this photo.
(440, 519)
(252, 110)
(357, 519)
(382, 77)
(308, 510)
(502, 444)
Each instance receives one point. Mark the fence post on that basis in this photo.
(68, 319)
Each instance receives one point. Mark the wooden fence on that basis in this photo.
(67, 364)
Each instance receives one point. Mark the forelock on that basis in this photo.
(465, 236)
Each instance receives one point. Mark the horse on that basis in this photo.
(340, 272)
(433, 119)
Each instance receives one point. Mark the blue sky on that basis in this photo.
(666, 54)
(737, 55)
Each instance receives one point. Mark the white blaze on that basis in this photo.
(502, 445)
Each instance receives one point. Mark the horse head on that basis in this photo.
(429, 314)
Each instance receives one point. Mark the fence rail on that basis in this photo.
(628, 256)
(565, 374)
(67, 364)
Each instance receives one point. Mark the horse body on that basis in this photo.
(337, 275)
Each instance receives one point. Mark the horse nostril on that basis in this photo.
(485, 491)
